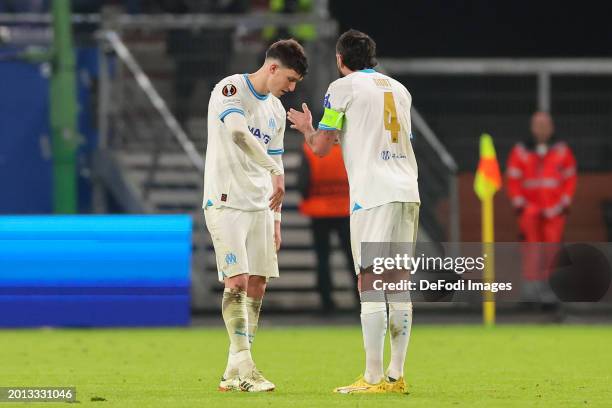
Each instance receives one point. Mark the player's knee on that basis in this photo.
(240, 282)
(257, 286)
(373, 307)
(364, 278)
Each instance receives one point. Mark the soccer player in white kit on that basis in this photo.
(369, 114)
(243, 190)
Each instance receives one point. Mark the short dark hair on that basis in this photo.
(291, 54)
(357, 49)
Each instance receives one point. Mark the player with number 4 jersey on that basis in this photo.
(372, 113)
(369, 114)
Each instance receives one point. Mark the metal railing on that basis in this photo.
(111, 43)
(454, 229)
(153, 96)
(542, 68)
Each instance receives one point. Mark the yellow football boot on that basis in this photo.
(397, 386)
(360, 386)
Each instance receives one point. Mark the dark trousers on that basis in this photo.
(322, 229)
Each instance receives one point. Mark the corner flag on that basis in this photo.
(486, 183)
(488, 177)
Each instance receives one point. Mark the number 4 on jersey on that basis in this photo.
(391, 122)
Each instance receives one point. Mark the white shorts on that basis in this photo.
(392, 222)
(243, 241)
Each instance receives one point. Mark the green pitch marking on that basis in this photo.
(447, 366)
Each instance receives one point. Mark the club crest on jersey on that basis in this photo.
(260, 135)
(230, 259)
(272, 124)
(229, 90)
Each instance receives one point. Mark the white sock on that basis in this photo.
(253, 309)
(244, 362)
(236, 321)
(231, 369)
(400, 324)
(374, 327)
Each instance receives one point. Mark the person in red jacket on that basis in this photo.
(325, 190)
(541, 180)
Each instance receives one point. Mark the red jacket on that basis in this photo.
(327, 192)
(542, 183)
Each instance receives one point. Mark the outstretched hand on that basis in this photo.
(301, 121)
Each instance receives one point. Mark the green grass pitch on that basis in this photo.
(507, 366)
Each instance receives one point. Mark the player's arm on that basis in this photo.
(275, 152)
(277, 225)
(236, 124)
(278, 193)
(320, 140)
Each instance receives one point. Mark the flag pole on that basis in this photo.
(488, 238)
(486, 183)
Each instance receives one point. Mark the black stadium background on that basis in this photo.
(450, 28)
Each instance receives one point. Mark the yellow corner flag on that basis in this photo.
(486, 183)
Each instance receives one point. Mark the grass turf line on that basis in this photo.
(506, 366)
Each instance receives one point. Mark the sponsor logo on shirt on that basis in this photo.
(260, 135)
(386, 155)
(326, 102)
(229, 90)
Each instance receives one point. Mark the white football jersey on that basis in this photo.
(375, 138)
(231, 178)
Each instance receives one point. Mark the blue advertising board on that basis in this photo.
(95, 270)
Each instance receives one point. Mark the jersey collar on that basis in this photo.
(368, 70)
(253, 91)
